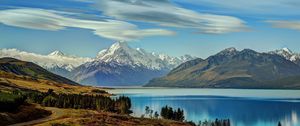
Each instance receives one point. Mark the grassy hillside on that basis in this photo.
(9, 81)
(29, 69)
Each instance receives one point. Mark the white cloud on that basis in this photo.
(54, 20)
(165, 13)
(285, 24)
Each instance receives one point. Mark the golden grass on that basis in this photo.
(80, 117)
(43, 85)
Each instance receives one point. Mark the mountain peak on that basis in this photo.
(187, 57)
(120, 44)
(57, 53)
(287, 50)
(287, 54)
(122, 53)
(228, 51)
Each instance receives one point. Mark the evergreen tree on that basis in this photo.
(156, 115)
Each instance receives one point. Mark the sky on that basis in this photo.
(176, 27)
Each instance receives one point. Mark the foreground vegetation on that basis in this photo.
(86, 110)
(72, 109)
(14, 109)
(67, 104)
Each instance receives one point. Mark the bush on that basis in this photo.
(10, 102)
(168, 113)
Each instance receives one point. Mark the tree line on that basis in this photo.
(121, 104)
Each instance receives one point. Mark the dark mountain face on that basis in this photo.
(114, 74)
(232, 69)
(186, 65)
(23, 68)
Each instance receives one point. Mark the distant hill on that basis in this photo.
(234, 69)
(30, 69)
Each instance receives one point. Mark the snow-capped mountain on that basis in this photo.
(122, 65)
(121, 53)
(288, 54)
(56, 61)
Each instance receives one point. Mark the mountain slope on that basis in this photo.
(233, 69)
(122, 65)
(29, 69)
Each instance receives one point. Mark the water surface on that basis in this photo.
(244, 107)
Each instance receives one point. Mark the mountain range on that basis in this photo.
(231, 68)
(117, 65)
(122, 65)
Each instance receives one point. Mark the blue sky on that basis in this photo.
(175, 27)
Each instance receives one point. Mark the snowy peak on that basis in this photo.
(286, 50)
(228, 51)
(56, 53)
(119, 45)
(123, 54)
(114, 49)
(187, 57)
(287, 54)
(283, 51)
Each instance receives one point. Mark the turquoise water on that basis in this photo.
(244, 107)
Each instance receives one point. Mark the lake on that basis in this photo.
(244, 107)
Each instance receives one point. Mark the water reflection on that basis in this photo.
(242, 111)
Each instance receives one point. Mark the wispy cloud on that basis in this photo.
(43, 19)
(285, 24)
(166, 13)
